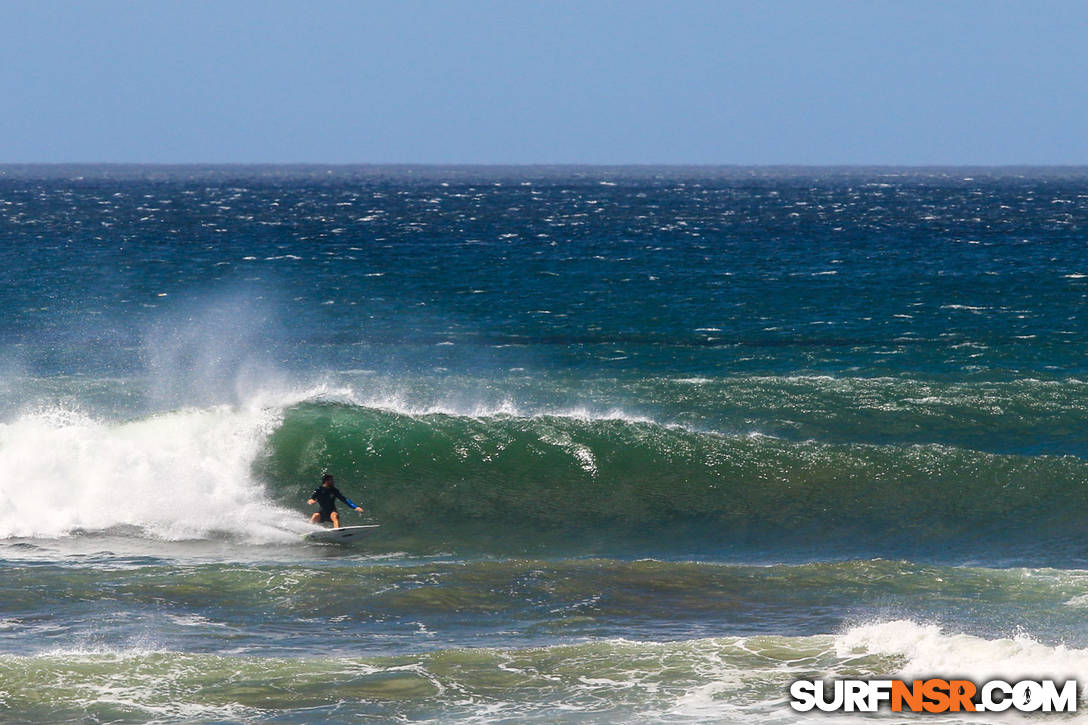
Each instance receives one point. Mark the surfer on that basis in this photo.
(325, 496)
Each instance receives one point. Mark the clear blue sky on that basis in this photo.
(518, 81)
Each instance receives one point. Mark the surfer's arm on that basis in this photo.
(339, 495)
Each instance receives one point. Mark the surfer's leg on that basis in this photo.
(315, 519)
(335, 519)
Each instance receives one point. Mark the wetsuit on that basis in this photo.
(326, 500)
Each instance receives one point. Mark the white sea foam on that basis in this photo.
(177, 475)
(729, 693)
(929, 650)
(506, 408)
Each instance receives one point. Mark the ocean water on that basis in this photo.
(645, 444)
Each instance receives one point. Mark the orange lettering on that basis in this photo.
(911, 695)
(961, 692)
(936, 691)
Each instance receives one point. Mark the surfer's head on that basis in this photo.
(326, 480)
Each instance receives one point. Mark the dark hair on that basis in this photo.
(326, 477)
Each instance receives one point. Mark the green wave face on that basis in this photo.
(441, 477)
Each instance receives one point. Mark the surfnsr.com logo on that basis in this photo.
(934, 695)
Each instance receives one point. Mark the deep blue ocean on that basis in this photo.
(645, 444)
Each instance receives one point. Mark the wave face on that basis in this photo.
(633, 477)
(438, 474)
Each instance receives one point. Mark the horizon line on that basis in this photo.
(546, 164)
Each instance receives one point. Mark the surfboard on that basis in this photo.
(342, 535)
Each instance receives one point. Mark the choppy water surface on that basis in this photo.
(645, 444)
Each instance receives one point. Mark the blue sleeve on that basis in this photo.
(349, 502)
